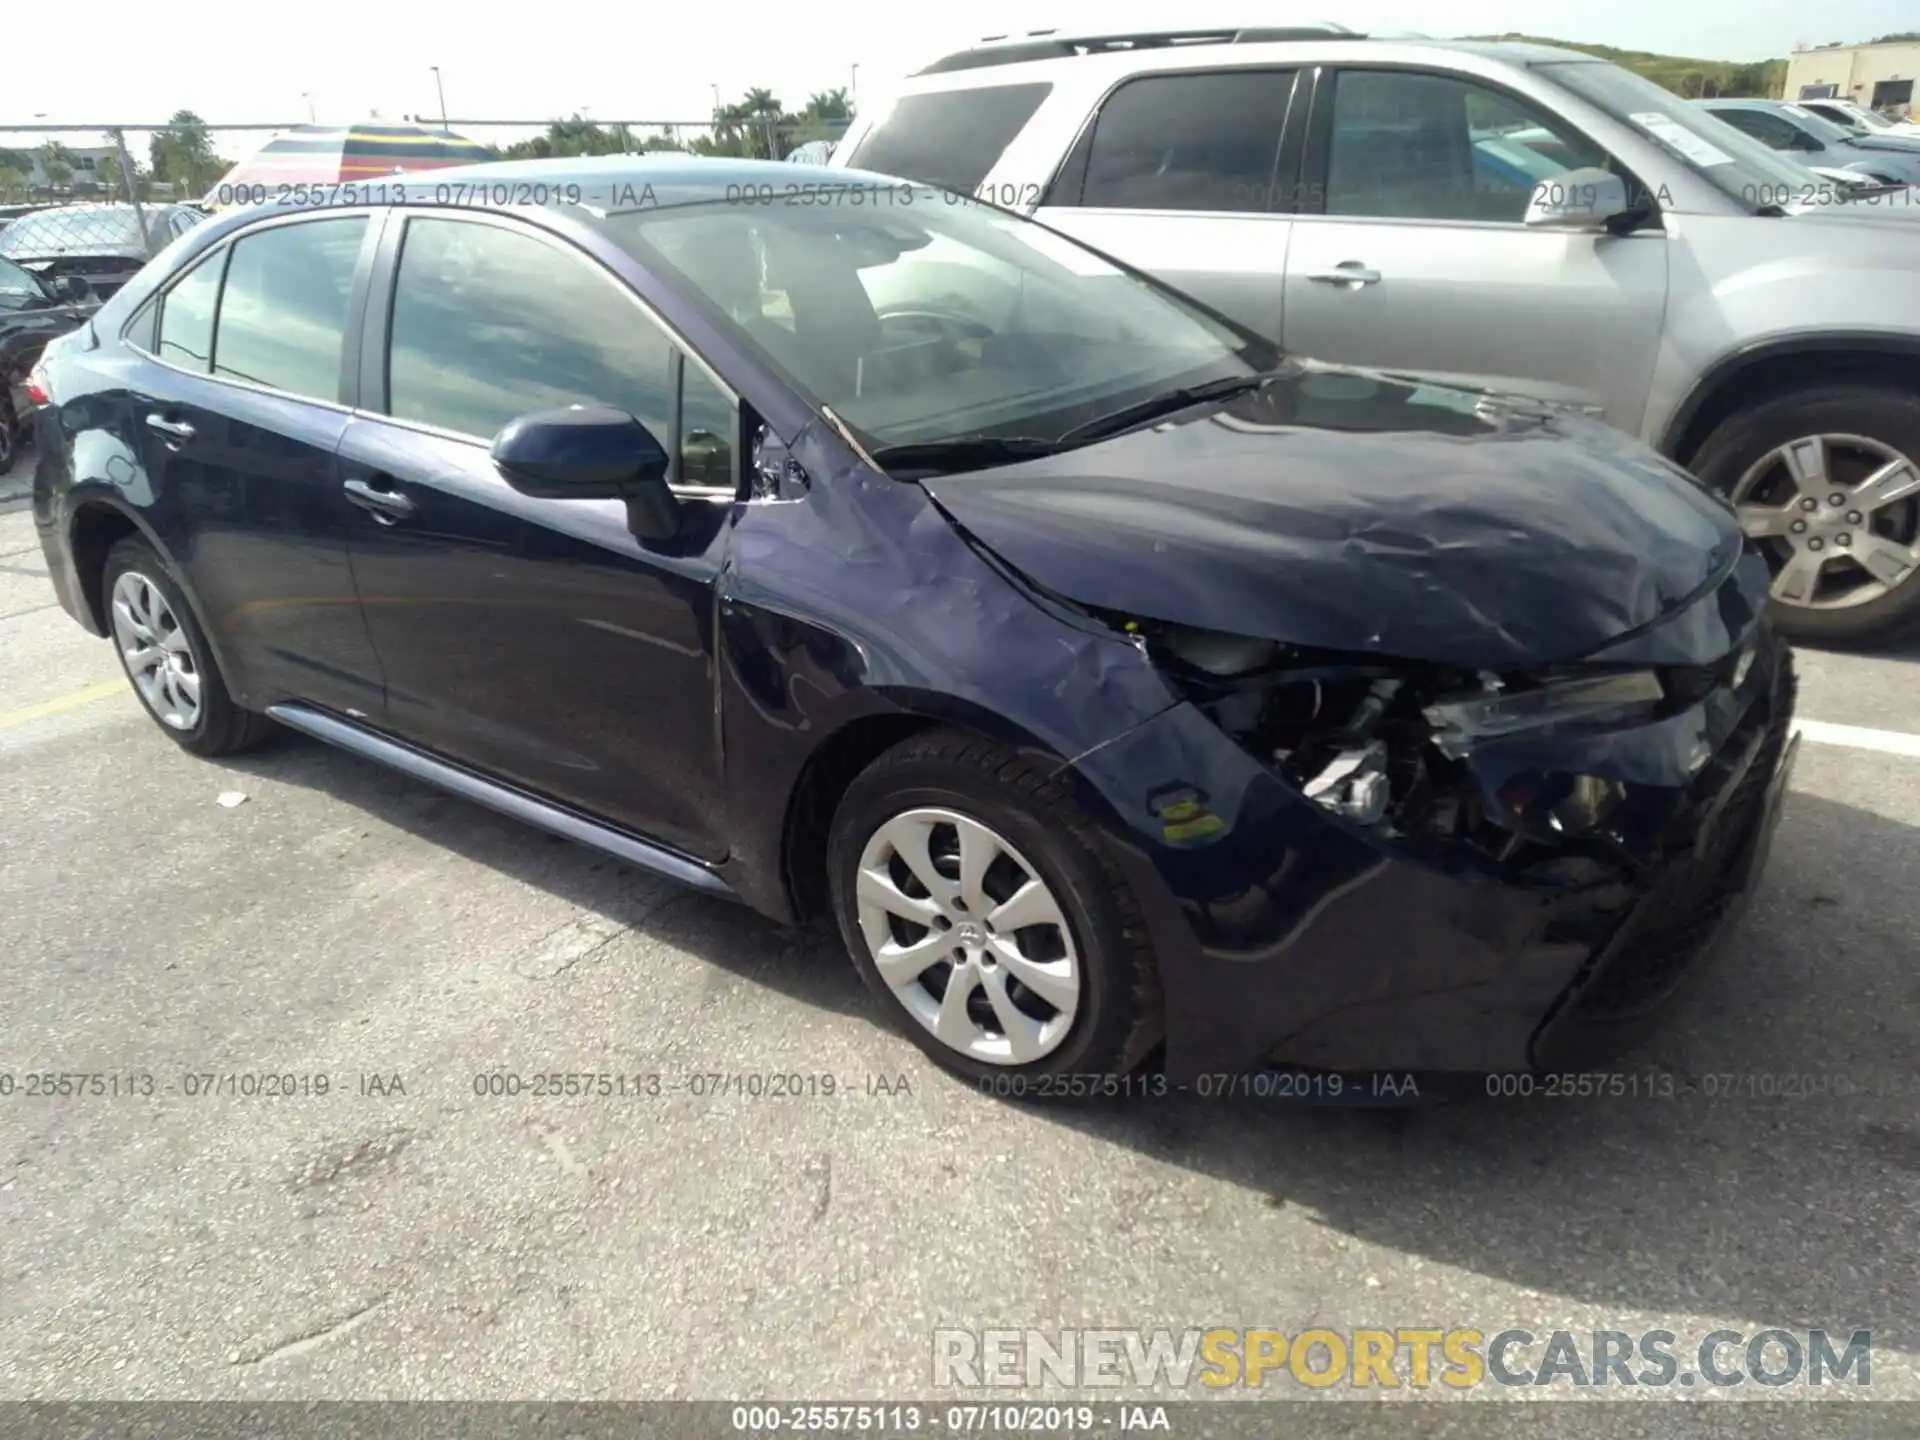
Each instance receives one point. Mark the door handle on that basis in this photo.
(386, 506)
(1350, 273)
(172, 429)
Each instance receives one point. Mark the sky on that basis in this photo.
(241, 60)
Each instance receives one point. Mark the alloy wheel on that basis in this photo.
(968, 937)
(158, 655)
(1839, 518)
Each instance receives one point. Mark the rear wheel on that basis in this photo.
(987, 919)
(1827, 482)
(166, 656)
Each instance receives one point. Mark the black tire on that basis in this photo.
(9, 433)
(1877, 412)
(1119, 1019)
(222, 727)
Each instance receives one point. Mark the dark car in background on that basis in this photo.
(105, 245)
(1109, 677)
(32, 312)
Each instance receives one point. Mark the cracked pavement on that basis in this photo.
(406, 1236)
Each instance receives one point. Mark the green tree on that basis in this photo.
(573, 136)
(13, 183)
(828, 105)
(183, 155)
(56, 163)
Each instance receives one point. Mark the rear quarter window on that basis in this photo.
(950, 138)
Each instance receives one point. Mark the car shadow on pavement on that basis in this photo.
(1719, 1195)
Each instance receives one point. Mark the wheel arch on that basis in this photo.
(1769, 368)
(840, 757)
(96, 524)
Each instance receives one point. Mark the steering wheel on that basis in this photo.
(932, 325)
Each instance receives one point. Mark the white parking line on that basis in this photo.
(1859, 737)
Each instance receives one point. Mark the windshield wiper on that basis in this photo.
(1165, 403)
(963, 452)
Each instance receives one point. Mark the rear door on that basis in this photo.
(537, 640)
(1409, 252)
(238, 418)
(1179, 175)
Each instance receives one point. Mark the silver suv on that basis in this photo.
(1507, 216)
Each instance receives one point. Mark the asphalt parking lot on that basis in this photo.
(403, 1236)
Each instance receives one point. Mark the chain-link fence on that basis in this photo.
(81, 211)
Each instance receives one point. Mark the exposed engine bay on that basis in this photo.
(1387, 744)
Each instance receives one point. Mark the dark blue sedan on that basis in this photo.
(1116, 682)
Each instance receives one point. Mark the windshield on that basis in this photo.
(1825, 130)
(1735, 164)
(923, 316)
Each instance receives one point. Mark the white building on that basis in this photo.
(1879, 77)
(86, 160)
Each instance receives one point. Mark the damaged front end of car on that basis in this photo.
(1610, 814)
(1435, 756)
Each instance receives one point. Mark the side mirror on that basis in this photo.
(1578, 200)
(1803, 141)
(73, 287)
(591, 453)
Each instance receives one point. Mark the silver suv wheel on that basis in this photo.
(159, 657)
(1839, 515)
(968, 937)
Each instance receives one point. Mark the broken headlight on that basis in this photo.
(1460, 724)
(1382, 743)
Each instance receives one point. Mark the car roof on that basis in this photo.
(674, 178)
(1040, 52)
(606, 184)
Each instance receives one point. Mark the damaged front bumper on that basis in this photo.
(1305, 930)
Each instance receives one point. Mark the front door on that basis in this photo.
(1417, 259)
(534, 639)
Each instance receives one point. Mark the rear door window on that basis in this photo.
(951, 138)
(283, 315)
(186, 316)
(1189, 142)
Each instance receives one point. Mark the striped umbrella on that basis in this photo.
(335, 154)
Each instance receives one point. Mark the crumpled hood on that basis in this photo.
(1341, 509)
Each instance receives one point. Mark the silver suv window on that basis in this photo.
(1434, 147)
(950, 138)
(1189, 142)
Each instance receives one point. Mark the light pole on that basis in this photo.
(307, 95)
(853, 90)
(441, 91)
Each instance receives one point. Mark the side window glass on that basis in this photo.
(1430, 147)
(1769, 130)
(142, 330)
(708, 423)
(1189, 142)
(186, 316)
(949, 137)
(490, 324)
(283, 314)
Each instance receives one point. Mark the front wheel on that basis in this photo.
(986, 917)
(1827, 482)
